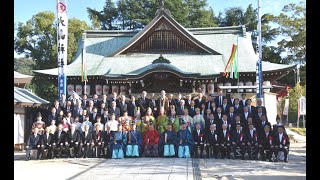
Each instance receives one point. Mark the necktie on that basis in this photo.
(263, 123)
(212, 132)
(251, 133)
(266, 135)
(220, 100)
(238, 132)
(182, 107)
(224, 133)
(231, 115)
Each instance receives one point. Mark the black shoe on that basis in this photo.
(275, 160)
(242, 157)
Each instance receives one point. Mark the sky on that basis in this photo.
(25, 9)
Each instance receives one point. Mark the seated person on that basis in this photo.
(33, 142)
(119, 143)
(225, 141)
(199, 138)
(266, 145)
(60, 141)
(134, 142)
(150, 141)
(185, 141)
(238, 141)
(168, 141)
(252, 142)
(212, 141)
(97, 140)
(281, 143)
(46, 141)
(86, 141)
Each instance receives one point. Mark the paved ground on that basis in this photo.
(164, 168)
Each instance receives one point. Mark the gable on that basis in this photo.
(164, 34)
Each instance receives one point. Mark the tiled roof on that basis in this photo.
(24, 96)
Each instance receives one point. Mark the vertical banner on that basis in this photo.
(286, 107)
(259, 62)
(302, 106)
(62, 44)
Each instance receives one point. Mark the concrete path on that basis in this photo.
(163, 168)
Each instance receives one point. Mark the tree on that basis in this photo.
(294, 95)
(23, 65)
(292, 24)
(37, 39)
(106, 17)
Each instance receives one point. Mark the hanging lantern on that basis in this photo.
(79, 89)
(228, 84)
(123, 90)
(240, 84)
(115, 89)
(98, 90)
(105, 89)
(70, 89)
(210, 88)
(249, 83)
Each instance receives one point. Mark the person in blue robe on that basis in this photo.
(134, 142)
(119, 143)
(168, 141)
(184, 141)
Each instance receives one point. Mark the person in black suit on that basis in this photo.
(143, 103)
(105, 116)
(259, 104)
(259, 114)
(252, 142)
(261, 124)
(123, 105)
(281, 143)
(101, 108)
(114, 110)
(114, 98)
(225, 141)
(208, 102)
(251, 108)
(213, 107)
(236, 122)
(199, 101)
(77, 109)
(52, 116)
(63, 102)
(74, 140)
(243, 101)
(95, 101)
(33, 142)
(219, 99)
(107, 137)
(246, 124)
(231, 99)
(192, 109)
(231, 115)
(172, 102)
(203, 110)
(188, 101)
(219, 114)
(84, 101)
(177, 101)
(239, 141)
(266, 145)
(225, 106)
(46, 141)
(87, 141)
(132, 105)
(60, 141)
(154, 105)
(103, 100)
(68, 107)
(56, 105)
(213, 141)
(199, 138)
(97, 138)
(211, 120)
(93, 115)
(238, 109)
(246, 114)
(181, 107)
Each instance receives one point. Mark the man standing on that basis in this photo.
(114, 110)
(163, 102)
(123, 105)
(143, 103)
(168, 142)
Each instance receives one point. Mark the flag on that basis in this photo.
(62, 45)
(232, 65)
(84, 68)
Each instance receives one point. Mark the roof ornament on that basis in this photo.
(162, 8)
(161, 59)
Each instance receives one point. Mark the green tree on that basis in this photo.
(294, 95)
(37, 39)
(199, 15)
(23, 65)
(292, 23)
(106, 17)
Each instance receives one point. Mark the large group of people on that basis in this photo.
(123, 127)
